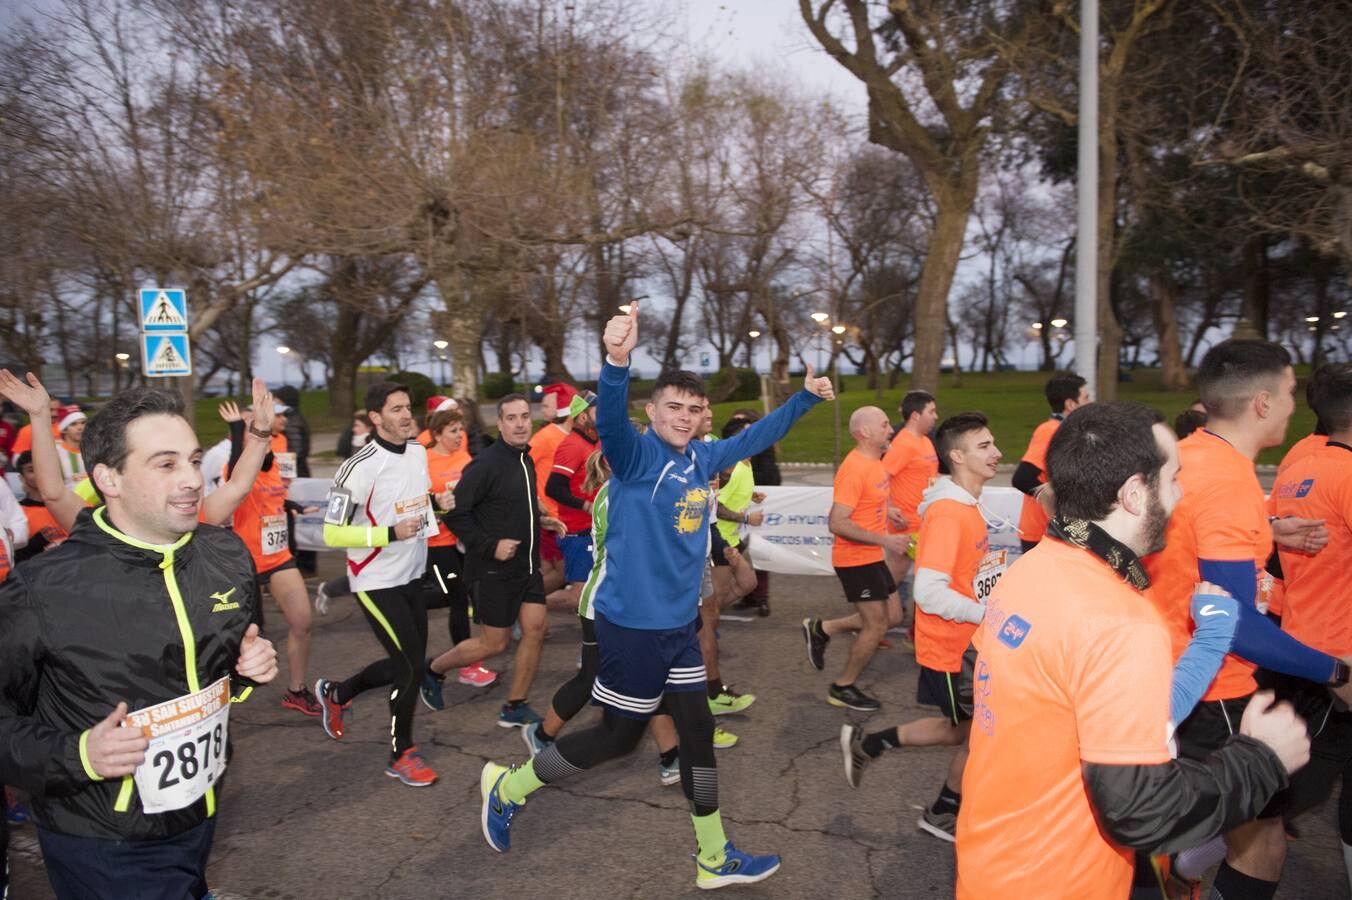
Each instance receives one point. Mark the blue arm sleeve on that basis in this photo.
(622, 445)
(1257, 638)
(1216, 617)
(763, 434)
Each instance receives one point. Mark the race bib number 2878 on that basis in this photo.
(188, 736)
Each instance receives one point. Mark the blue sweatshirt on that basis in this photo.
(658, 531)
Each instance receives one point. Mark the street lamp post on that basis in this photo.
(750, 358)
(441, 346)
(838, 330)
(284, 351)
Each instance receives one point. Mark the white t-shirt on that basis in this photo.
(386, 487)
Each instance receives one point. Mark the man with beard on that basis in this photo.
(380, 509)
(1070, 767)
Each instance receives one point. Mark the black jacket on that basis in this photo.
(93, 622)
(497, 498)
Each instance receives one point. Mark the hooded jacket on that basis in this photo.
(934, 591)
(106, 618)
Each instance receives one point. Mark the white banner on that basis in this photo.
(794, 538)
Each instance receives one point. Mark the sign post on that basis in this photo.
(165, 351)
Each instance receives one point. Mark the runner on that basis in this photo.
(858, 519)
(1318, 485)
(1319, 437)
(646, 603)
(380, 509)
(1220, 533)
(24, 439)
(71, 424)
(44, 533)
(260, 521)
(911, 464)
(446, 459)
(564, 487)
(497, 517)
(1066, 392)
(955, 573)
(141, 609)
(555, 404)
(1070, 766)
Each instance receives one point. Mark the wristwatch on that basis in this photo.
(1340, 674)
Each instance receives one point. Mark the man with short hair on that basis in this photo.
(556, 403)
(381, 509)
(858, 519)
(647, 602)
(911, 465)
(1066, 392)
(44, 532)
(1070, 768)
(498, 518)
(574, 505)
(955, 573)
(1220, 533)
(144, 609)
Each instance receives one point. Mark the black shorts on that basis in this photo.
(718, 557)
(444, 578)
(498, 599)
(265, 577)
(1330, 744)
(950, 691)
(867, 582)
(1210, 725)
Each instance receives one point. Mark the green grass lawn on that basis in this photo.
(1013, 402)
(313, 404)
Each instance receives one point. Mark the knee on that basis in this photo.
(496, 641)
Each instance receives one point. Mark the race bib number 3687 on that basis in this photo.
(188, 736)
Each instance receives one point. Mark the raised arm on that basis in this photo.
(246, 462)
(30, 396)
(763, 434)
(622, 443)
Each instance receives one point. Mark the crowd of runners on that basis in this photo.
(1146, 695)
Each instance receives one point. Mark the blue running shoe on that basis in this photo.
(430, 689)
(531, 735)
(670, 774)
(496, 815)
(518, 716)
(737, 868)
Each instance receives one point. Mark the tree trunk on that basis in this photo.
(1257, 286)
(1162, 291)
(931, 304)
(345, 360)
(466, 333)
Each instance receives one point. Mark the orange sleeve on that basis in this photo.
(1225, 532)
(1037, 448)
(849, 486)
(940, 538)
(897, 456)
(24, 441)
(1121, 695)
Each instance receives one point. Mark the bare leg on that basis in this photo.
(288, 589)
(873, 614)
(527, 660)
(489, 642)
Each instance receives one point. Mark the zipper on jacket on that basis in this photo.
(534, 524)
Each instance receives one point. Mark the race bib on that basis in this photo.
(988, 574)
(286, 465)
(419, 507)
(187, 747)
(272, 534)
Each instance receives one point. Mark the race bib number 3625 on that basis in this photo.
(188, 736)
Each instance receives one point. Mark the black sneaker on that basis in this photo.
(852, 746)
(850, 697)
(816, 646)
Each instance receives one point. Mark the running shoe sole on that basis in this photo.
(289, 703)
(390, 771)
(856, 707)
(321, 692)
(710, 884)
(934, 830)
(669, 778)
(811, 657)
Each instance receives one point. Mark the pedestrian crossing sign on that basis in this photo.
(164, 310)
(165, 355)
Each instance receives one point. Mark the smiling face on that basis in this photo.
(156, 495)
(514, 423)
(976, 455)
(675, 415)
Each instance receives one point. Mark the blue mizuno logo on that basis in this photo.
(1014, 631)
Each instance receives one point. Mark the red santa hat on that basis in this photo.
(68, 416)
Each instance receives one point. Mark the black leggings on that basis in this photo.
(398, 617)
(446, 581)
(573, 694)
(618, 735)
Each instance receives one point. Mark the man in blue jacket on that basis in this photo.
(647, 601)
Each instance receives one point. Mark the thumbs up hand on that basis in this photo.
(820, 387)
(257, 657)
(621, 336)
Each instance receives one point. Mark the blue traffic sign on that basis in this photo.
(164, 310)
(164, 355)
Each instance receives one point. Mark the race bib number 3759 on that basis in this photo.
(188, 736)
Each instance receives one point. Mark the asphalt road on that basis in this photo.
(303, 816)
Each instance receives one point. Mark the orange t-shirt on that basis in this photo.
(41, 521)
(260, 521)
(1300, 449)
(1033, 519)
(542, 447)
(444, 470)
(1222, 516)
(1073, 667)
(24, 439)
(861, 484)
(911, 464)
(954, 540)
(1315, 608)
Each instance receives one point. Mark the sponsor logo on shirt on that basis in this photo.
(224, 603)
(1295, 491)
(1014, 631)
(690, 509)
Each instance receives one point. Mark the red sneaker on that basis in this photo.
(331, 712)
(477, 676)
(302, 701)
(410, 769)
